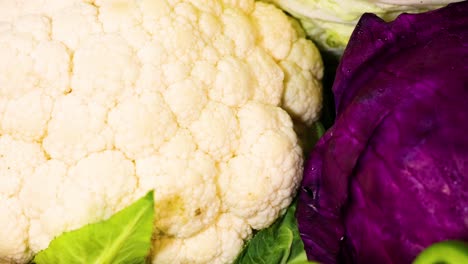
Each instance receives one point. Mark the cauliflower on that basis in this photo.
(103, 100)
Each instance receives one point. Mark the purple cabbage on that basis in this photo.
(391, 176)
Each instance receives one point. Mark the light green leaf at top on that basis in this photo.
(329, 23)
(277, 244)
(123, 238)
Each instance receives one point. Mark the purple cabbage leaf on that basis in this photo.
(390, 177)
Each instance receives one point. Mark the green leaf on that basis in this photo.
(446, 252)
(123, 238)
(318, 131)
(278, 244)
(309, 135)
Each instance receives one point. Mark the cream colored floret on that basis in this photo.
(102, 101)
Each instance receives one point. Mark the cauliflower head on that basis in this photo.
(103, 100)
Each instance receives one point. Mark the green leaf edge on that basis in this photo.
(293, 249)
(450, 249)
(147, 207)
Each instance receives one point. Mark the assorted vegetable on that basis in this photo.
(390, 177)
(208, 107)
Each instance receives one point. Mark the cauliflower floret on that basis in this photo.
(104, 100)
(14, 232)
(216, 244)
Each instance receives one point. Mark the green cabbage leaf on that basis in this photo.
(330, 22)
